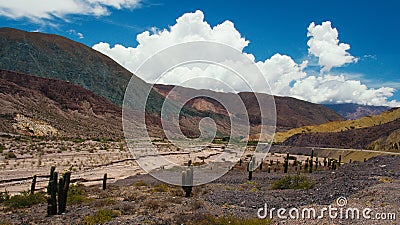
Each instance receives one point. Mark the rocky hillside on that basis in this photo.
(340, 126)
(380, 137)
(355, 111)
(291, 112)
(39, 106)
(56, 57)
(380, 132)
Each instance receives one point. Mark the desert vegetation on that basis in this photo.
(297, 179)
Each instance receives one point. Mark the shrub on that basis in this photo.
(161, 188)
(76, 194)
(104, 202)
(295, 182)
(5, 222)
(10, 155)
(101, 216)
(24, 199)
(140, 183)
(252, 143)
(79, 140)
(2, 148)
(4, 196)
(231, 221)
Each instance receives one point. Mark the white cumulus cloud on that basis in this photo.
(285, 76)
(336, 89)
(324, 44)
(75, 33)
(37, 10)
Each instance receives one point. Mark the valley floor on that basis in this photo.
(134, 197)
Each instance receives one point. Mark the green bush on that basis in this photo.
(252, 143)
(231, 221)
(295, 182)
(4, 222)
(79, 140)
(140, 183)
(2, 148)
(4, 196)
(76, 194)
(160, 188)
(101, 216)
(10, 155)
(24, 199)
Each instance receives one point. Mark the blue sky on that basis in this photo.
(369, 27)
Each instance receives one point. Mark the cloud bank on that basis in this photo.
(39, 10)
(286, 77)
(324, 44)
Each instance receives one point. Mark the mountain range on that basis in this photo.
(73, 90)
(353, 111)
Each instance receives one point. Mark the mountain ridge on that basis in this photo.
(57, 57)
(354, 111)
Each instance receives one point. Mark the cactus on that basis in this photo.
(340, 159)
(306, 165)
(316, 163)
(187, 181)
(63, 186)
(105, 181)
(286, 163)
(325, 162)
(334, 165)
(269, 169)
(250, 168)
(33, 186)
(311, 161)
(52, 192)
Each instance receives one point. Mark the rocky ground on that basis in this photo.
(141, 199)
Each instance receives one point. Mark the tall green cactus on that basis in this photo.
(187, 181)
(52, 192)
(57, 188)
(306, 165)
(251, 166)
(286, 163)
(311, 161)
(63, 186)
(33, 185)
